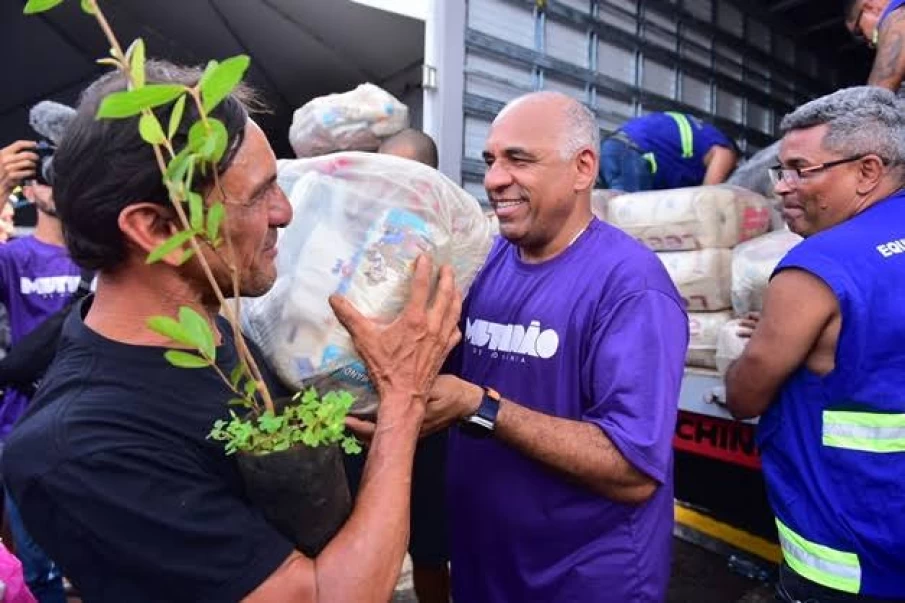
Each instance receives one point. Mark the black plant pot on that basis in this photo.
(302, 492)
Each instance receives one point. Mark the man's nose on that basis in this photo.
(496, 177)
(280, 211)
(782, 187)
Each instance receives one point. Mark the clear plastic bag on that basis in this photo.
(704, 329)
(360, 220)
(753, 263)
(352, 121)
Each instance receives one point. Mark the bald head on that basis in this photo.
(412, 144)
(575, 123)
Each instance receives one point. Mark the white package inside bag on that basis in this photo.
(356, 120)
(359, 222)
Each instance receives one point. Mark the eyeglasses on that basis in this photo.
(793, 176)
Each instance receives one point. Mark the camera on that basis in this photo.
(43, 172)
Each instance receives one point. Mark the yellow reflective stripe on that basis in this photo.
(818, 563)
(685, 133)
(649, 157)
(865, 431)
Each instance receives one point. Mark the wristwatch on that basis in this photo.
(483, 421)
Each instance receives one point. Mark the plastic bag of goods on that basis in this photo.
(704, 330)
(729, 345)
(352, 121)
(702, 277)
(359, 222)
(753, 263)
(600, 197)
(698, 217)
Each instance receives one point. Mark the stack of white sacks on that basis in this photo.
(694, 230)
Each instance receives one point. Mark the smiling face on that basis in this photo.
(534, 190)
(820, 199)
(255, 208)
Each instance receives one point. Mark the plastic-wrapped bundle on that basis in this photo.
(600, 198)
(753, 263)
(753, 175)
(703, 330)
(352, 121)
(698, 217)
(359, 222)
(702, 277)
(729, 345)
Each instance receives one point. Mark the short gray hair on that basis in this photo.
(582, 129)
(861, 120)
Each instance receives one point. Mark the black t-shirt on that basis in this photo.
(116, 480)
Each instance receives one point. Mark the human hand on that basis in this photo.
(17, 163)
(450, 400)
(747, 324)
(404, 356)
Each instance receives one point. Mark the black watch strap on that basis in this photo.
(482, 423)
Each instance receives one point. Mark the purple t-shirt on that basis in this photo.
(36, 280)
(596, 334)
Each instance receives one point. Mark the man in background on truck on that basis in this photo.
(824, 364)
(881, 25)
(666, 150)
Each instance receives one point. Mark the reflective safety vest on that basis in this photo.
(833, 447)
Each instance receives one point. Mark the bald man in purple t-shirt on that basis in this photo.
(565, 387)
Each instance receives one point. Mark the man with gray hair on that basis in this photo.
(564, 391)
(825, 366)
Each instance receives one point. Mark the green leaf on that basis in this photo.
(170, 245)
(33, 7)
(214, 218)
(150, 129)
(200, 331)
(86, 7)
(238, 402)
(351, 446)
(210, 140)
(250, 388)
(108, 61)
(219, 79)
(185, 359)
(187, 254)
(178, 165)
(176, 116)
(196, 210)
(132, 102)
(236, 375)
(136, 56)
(170, 328)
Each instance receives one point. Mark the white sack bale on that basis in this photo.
(359, 222)
(704, 330)
(702, 277)
(351, 121)
(685, 219)
(600, 198)
(752, 264)
(729, 345)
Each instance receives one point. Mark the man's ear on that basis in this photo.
(586, 163)
(147, 225)
(870, 172)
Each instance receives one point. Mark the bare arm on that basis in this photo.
(17, 163)
(797, 308)
(720, 162)
(362, 563)
(889, 64)
(576, 449)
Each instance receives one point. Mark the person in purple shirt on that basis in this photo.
(37, 279)
(564, 390)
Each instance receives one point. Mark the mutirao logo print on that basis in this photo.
(511, 341)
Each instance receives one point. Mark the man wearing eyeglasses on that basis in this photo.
(825, 366)
(881, 25)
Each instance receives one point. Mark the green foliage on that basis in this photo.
(130, 103)
(87, 7)
(191, 330)
(170, 245)
(150, 129)
(185, 359)
(136, 57)
(220, 79)
(214, 219)
(33, 7)
(308, 420)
